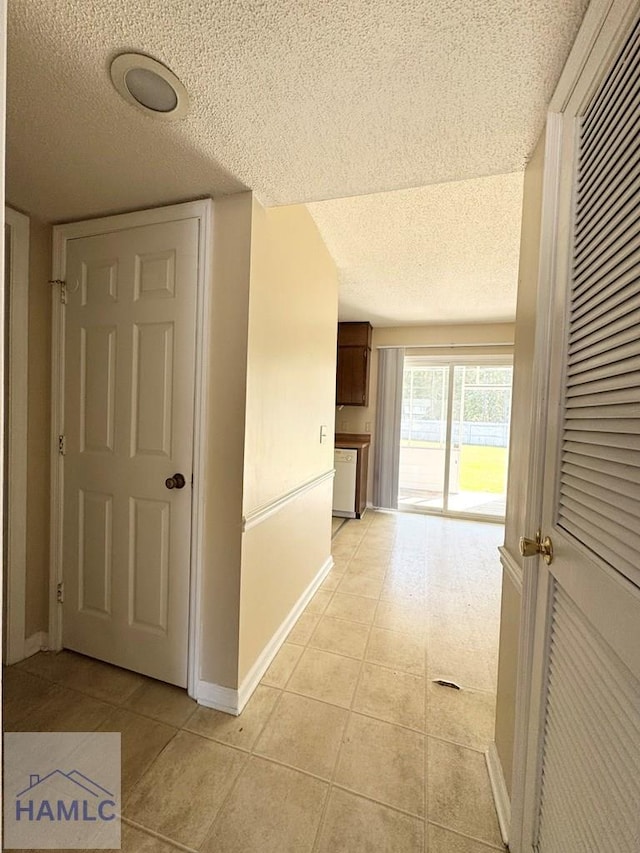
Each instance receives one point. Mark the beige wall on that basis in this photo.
(519, 454)
(220, 594)
(273, 348)
(291, 354)
(439, 340)
(38, 429)
(280, 558)
(291, 365)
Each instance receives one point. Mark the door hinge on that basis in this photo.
(63, 289)
(62, 445)
(60, 593)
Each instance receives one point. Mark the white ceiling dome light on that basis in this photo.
(149, 85)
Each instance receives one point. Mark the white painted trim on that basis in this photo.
(499, 789)
(233, 701)
(16, 438)
(597, 39)
(220, 698)
(135, 219)
(200, 437)
(57, 428)
(36, 643)
(262, 513)
(203, 211)
(535, 471)
(511, 567)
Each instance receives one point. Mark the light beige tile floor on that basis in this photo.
(347, 746)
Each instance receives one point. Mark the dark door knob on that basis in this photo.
(176, 482)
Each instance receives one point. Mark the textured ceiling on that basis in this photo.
(445, 253)
(298, 100)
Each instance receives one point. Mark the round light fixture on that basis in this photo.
(150, 86)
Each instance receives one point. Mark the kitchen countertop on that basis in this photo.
(357, 440)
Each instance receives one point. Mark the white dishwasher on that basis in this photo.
(344, 485)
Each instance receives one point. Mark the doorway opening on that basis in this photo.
(454, 444)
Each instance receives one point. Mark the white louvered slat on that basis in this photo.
(604, 167)
(610, 477)
(610, 337)
(609, 460)
(607, 119)
(603, 105)
(603, 488)
(599, 494)
(614, 284)
(630, 411)
(590, 787)
(605, 440)
(588, 317)
(601, 262)
(619, 536)
(617, 180)
(607, 242)
(616, 208)
(600, 543)
(625, 382)
(607, 398)
(621, 360)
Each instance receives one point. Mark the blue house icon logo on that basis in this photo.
(64, 797)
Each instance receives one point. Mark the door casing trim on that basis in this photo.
(17, 405)
(202, 210)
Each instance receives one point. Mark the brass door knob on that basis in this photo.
(176, 482)
(533, 547)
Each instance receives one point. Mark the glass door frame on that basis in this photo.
(453, 361)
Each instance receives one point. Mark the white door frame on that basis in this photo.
(17, 400)
(603, 29)
(203, 211)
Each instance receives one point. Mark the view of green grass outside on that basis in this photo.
(482, 469)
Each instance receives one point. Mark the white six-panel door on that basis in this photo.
(128, 427)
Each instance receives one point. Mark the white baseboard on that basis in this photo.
(499, 789)
(233, 701)
(214, 696)
(35, 643)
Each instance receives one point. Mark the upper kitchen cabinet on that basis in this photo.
(354, 357)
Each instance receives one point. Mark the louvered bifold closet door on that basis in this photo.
(599, 502)
(590, 796)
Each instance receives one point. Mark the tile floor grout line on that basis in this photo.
(48, 680)
(177, 845)
(488, 844)
(349, 710)
(232, 788)
(249, 753)
(336, 760)
(113, 706)
(341, 787)
(126, 799)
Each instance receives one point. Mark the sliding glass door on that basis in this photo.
(423, 445)
(455, 437)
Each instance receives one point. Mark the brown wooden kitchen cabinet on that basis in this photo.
(353, 364)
